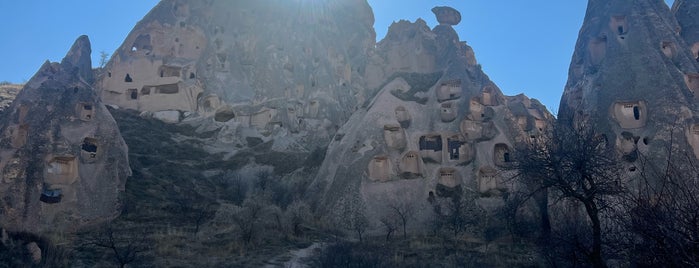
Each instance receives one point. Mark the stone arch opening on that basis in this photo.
(380, 168)
(167, 89)
(411, 163)
(142, 43)
(313, 108)
(89, 149)
(471, 129)
(487, 179)
(223, 115)
(449, 177)
(630, 114)
(626, 143)
(668, 48)
(454, 146)
(19, 134)
(692, 81)
(447, 112)
(502, 156)
(449, 90)
(86, 111)
(62, 170)
(695, 51)
(394, 136)
(597, 48)
(476, 110)
(170, 71)
(619, 25)
(51, 196)
(431, 147)
(128, 78)
(403, 116)
(132, 93)
(488, 96)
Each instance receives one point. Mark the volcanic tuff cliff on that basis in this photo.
(437, 126)
(685, 12)
(62, 158)
(261, 82)
(633, 78)
(269, 69)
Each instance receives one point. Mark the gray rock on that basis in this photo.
(63, 162)
(633, 79)
(436, 125)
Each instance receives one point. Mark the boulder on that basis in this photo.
(34, 252)
(447, 15)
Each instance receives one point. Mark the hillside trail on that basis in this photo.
(297, 257)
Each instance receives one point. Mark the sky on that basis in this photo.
(523, 46)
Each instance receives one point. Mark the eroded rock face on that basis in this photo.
(685, 12)
(633, 79)
(62, 159)
(436, 126)
(262, 65)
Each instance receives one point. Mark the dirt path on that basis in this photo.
(297, 257)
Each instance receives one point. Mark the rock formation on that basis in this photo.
(437, 126)
(62, 158)
(685, 12)
(633, 79)
(271, 68)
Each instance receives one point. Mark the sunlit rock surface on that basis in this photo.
(272, 68)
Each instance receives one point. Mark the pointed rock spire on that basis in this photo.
(78, 59)
(686, 13)
(64, 160)
(630, 78)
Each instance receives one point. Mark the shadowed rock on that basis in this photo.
(63, 162)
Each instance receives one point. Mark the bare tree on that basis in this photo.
(297, 214)
(578, 165)
(125, 247)
(390, 223)
(250, 218)
(405, 212)
(104, 58)
(457, 213)
(662, 213)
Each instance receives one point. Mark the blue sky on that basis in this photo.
(524, 46)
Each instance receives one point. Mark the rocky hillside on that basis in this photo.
(238, 114)
(8, 92)
(437, 127)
